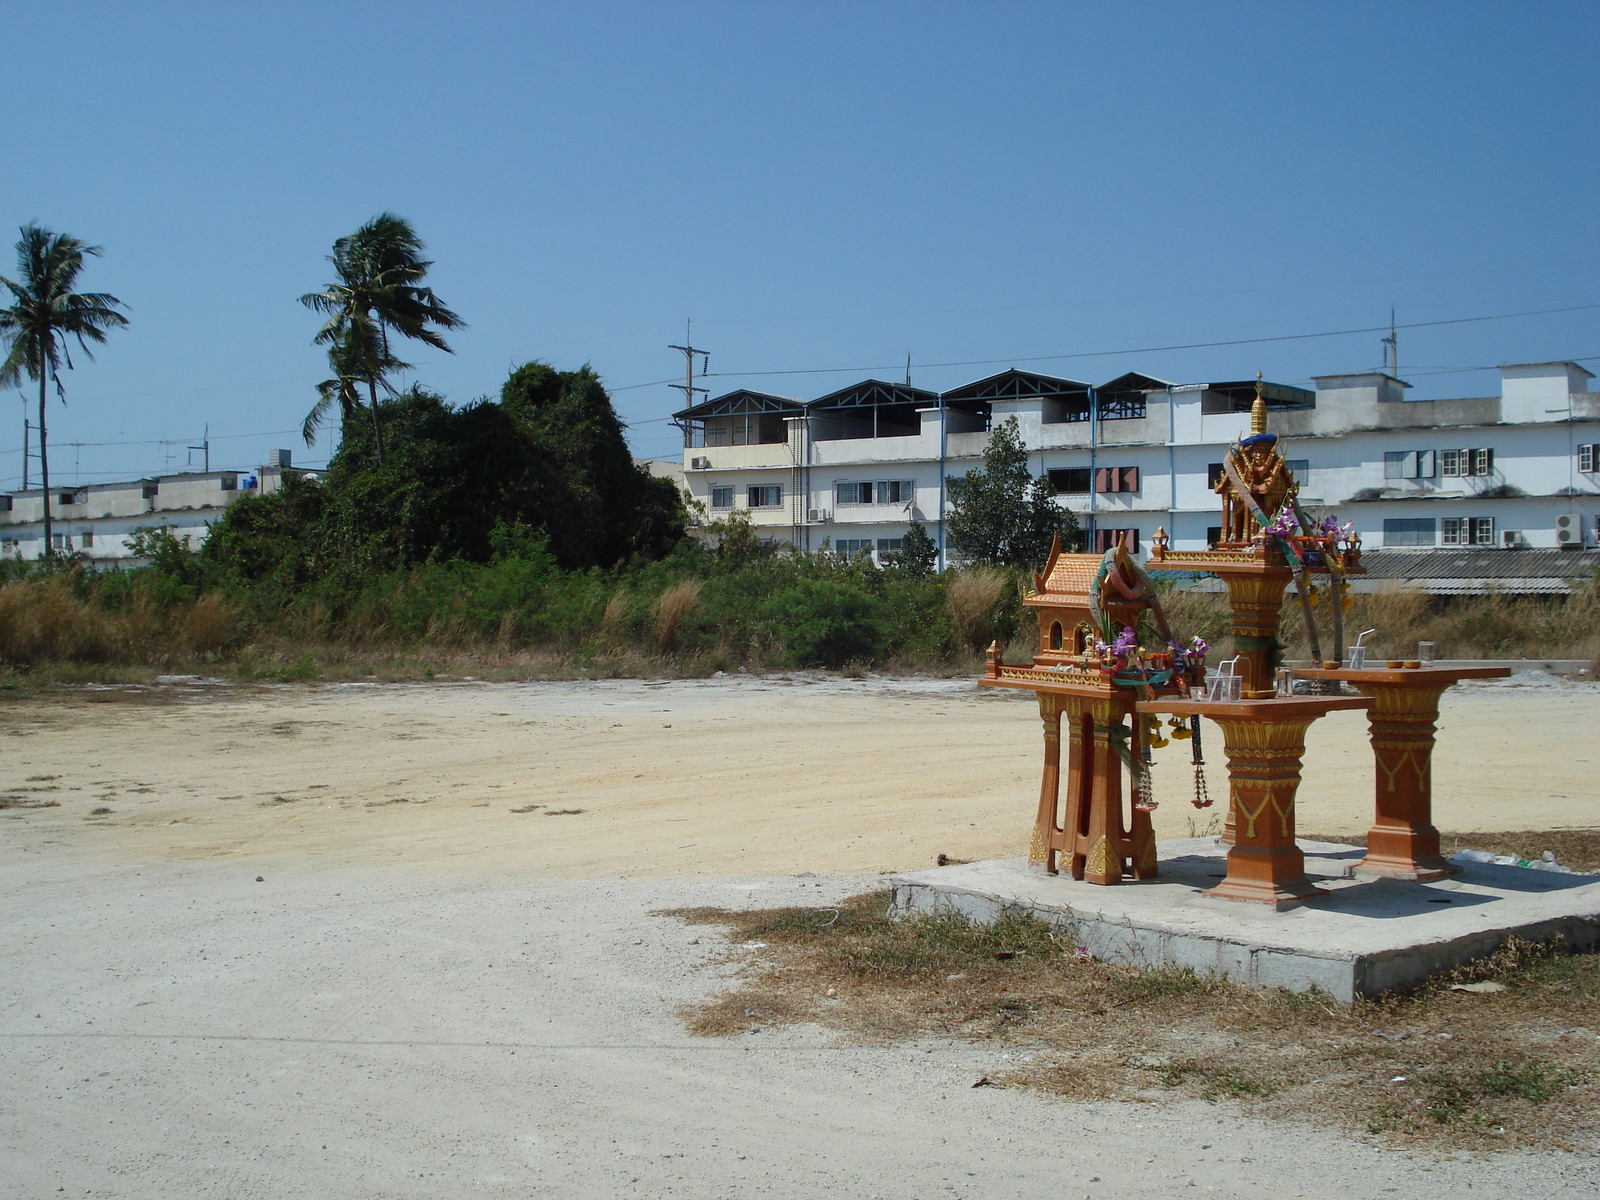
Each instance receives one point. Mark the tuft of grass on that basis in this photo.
(671, 607)
(1168, 980)
(973, 600)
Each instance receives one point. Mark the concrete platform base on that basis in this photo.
(1372, 935)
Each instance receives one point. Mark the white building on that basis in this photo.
(853, 468)
(100, 519)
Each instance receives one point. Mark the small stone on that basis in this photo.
(261, 879)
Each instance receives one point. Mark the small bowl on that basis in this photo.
(1330, 665)
(1395, 664)
(1413, 663)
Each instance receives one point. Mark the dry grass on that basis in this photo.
(1460, 627)
(1518, 1068)
(43, 620)
(672, 606)
(972, 598)
(615, 620)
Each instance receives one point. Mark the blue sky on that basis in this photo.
(817, 185)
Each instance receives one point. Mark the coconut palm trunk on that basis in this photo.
(44, 460)
(377, 424)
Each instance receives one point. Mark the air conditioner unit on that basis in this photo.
(818, 516)
(700, 464)
(1569, 531)
(1512, 539)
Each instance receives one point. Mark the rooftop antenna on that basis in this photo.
(687, 387)
(908, 370)
(205, 445)
(1391, 348)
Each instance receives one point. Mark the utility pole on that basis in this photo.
(205, 445)
(27, 428)
(1391, 347)
(687, 387)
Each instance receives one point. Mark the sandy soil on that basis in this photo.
(680, 778)
(429, 995)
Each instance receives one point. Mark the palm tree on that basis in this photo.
(345, 359)
(380, 268)
(44, 313)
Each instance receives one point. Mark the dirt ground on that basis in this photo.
(679, 778)
(430, 994)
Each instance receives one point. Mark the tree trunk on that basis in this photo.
(377, 425)
(44, 455)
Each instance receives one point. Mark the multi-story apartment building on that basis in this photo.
(100, 519)
(853, 468)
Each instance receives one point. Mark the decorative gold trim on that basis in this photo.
(1099, 860)
(1147, 851)
(1036, 849)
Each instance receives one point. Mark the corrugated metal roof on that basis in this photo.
(1468, 572)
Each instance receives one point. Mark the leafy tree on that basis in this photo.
(1000, 513)
(918, 554)
(547, 466)
(44, 313)
(380, 270)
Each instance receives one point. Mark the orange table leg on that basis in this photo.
(1265, 865)
(1403, 842)
(1048, 822)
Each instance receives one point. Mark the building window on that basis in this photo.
(1070, 481)
(1467, 531)
(152, 490)
(1116, 479)
(1055, 635)
(744, 429)
(1408, 464)
(1214, 475)
(1122, 408)
(1461, 463)
(722, 497)
(884, 491)
(768, 496)
(1213, 536)
(5, 503)
(1589, 459)
(850, 547)
(1104, 539)
(67, 498)
(230, 483)
(888, 545)
(86, 538)
(1408, 531)
(1301, 467)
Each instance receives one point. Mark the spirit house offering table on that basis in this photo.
(1109, 667)
(1402, 842)
(1115, 683)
